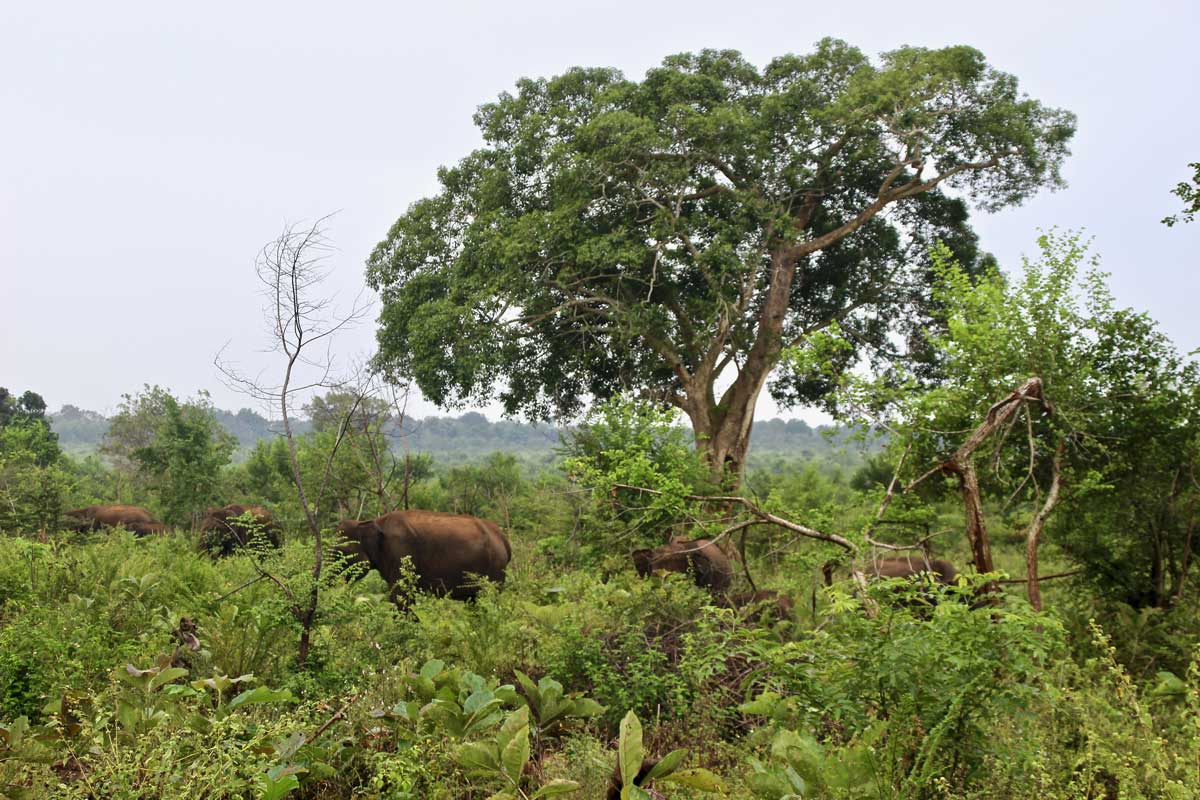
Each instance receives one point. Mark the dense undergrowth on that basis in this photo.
(104, 692)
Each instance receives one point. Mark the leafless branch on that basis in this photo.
(301, 321)
(764, 516)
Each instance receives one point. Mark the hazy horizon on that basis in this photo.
(151, 152)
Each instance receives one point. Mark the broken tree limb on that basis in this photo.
(1044, 578)
(962, 466)
(1034, 533)
(921, 544)
(895, 481)
(765, 516)
(742, 526)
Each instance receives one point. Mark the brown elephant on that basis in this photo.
(221, 533)
(762, 603)
(446, 549)
(919, 567)
(133, 518)
(703, 559)
(943, 572)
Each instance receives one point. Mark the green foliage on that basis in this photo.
(504, 759)
(1189, 193)
(528, 691)
(33, 480)
(629, 230)
(800, 767)
(184, 459)
(630, 757)
(486, 489)
(172, 450)
(552, 709)
(1120, 413)
(33, 484)
(28, 414)
(624, 443)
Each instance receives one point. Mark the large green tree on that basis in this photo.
(174, 450)
(1101, 453)
(185, 458)
(671, 236)
(28, 412)
(32, 478)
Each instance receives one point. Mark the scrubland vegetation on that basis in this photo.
(787, 227)
(144, 668)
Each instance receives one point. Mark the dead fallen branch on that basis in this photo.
(921, 544)
(764, 516)
(1042, 578)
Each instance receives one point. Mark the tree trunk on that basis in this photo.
(727, 451)
(722, 430)
(1033, 535)
(968, 485)
(1158, 575)
(1186, 561)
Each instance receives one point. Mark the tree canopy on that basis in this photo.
(653, 236)
(175, 449)
(1189, 193)
(1110, 439)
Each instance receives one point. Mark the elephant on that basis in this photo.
(221, 533)
(446, 549)
(133, 518)
(762, 603)
(703, 559)
(943, 572)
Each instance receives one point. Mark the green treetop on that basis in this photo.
(655, 236)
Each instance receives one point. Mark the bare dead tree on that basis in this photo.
(376, 422)
(302, 323)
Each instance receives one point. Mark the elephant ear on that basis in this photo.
(370, 538)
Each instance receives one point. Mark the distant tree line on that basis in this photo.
(456, 439)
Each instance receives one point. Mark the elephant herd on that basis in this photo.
(447, 551)
(711, 568)
(222, 530)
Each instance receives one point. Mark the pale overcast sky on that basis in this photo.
(148, 150)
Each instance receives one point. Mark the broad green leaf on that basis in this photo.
(166, 676)
(555, 787)
(698, 778)
(666, 765)
(127, 715)
(477, 700)
(630, 749)
(515, 722)
(763, 705)
(515, 755)
(260, 694)
(274, 789)
(507, 695)
(531, 689)
(550, 688)
(288, 747)
(587, 707)
(479, 756)
(15, 732)
(432, 668)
